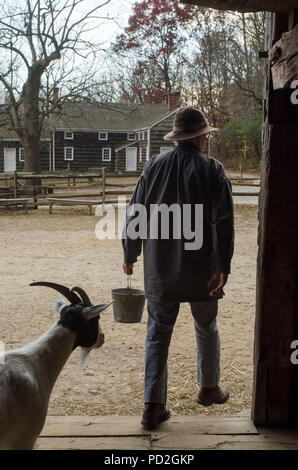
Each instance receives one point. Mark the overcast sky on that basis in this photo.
(119, 10)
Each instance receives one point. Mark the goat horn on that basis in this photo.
(71, 296)
(82, 293)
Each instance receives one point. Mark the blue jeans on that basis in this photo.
(161, 321)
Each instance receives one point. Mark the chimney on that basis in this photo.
(173, 100)
(55, 93)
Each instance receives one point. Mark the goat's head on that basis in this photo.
(79, 316)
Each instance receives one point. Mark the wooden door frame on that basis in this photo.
(275, 388)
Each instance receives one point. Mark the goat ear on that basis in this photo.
(91, 312)
(60, 304)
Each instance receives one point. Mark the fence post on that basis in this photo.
(68, 170)
(103, 184)
(15, 183)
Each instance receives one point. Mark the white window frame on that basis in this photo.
(103, 138)
(68, 137)
(130, 134)
(67, 159)
(21, 154)
(103, 154)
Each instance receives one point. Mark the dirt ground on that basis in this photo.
(62, 247)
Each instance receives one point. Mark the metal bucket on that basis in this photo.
(128, 305)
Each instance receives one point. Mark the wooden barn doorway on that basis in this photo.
(275, 391)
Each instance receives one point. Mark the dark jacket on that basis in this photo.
(183, 175)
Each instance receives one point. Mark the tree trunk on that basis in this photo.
(31, 120)
(31, 146)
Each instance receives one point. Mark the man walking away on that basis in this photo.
(176, 269)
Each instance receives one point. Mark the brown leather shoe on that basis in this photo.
(154, 414)
(214, 395)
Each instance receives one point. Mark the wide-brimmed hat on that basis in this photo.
(189, 122)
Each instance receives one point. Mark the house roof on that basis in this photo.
(112, 116)
(90, 116)
(8, 133)
(127, 144)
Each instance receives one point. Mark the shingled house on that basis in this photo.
(119, 136)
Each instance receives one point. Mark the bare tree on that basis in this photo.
(41, 42)
(152, 47)
(224, 77)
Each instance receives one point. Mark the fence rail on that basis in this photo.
(39, 186)
(18, 183)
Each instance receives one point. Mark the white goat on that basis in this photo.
(28, 374)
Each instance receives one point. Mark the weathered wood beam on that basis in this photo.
(276, 326)
(180, 432)
(246, 5)
(293, 18)
(284, 60)
(281, 109)
(280, 25)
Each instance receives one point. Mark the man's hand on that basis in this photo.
(127, 268)
(216, 283)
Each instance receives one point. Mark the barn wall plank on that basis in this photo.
(126, 425)
(221, 442)
(93, 443)
(276, 300)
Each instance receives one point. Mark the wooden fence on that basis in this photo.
(39, 186)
